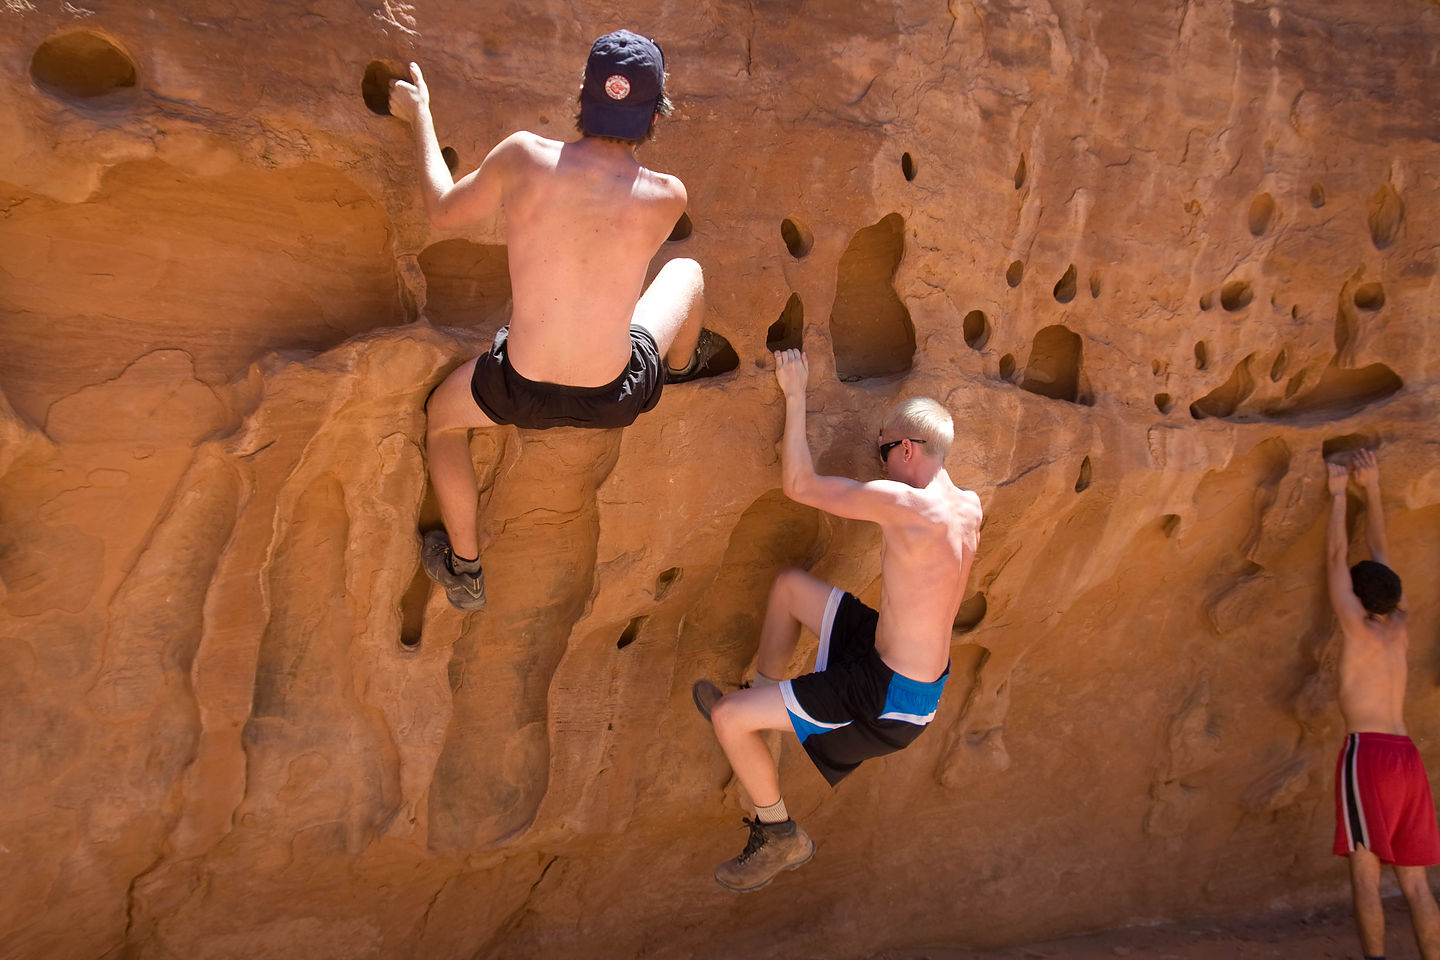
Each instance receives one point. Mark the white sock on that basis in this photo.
(775, 813)
(763, 681)
(460, 567)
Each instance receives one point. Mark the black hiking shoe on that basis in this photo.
(772, 847)
(465, 591)
(707, 348)
(706, 695)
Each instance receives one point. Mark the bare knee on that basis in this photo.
(1414, 882)
(782, 591)
(722, 716)
(687, 271)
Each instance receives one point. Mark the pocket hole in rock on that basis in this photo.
(976, 328)
(81, 64)
(1164, 402)
(412, 610)
(1370, 296)
(1170, 524)
(1277, 369)
(1317, 195)
(1083, 480)
(1094, 284)
(1386, 212)
(666, 580)
(1207, 300)
(798, 238)
(682, 230)
(787, 333)
(1054, 368)
(632, 630)
(1347, 443)
(1236, 295)
(1065, 286)
(1202, 355)
(375, 86)
(907, 165)
(1007, 366)
(872, 333)
(1014, 273)
(1020, 173)
(1262, 208)
(971, 612)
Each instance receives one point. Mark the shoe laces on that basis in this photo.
(756, 841)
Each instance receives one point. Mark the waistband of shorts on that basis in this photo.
(1395, 738)
(565, 389)
(912, 685)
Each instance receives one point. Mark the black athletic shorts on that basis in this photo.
(854, 707)
(507, 397)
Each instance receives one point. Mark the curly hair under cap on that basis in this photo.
(1376, 586)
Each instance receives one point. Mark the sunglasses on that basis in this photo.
(885, 448)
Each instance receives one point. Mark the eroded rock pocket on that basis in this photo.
(1054, 367)
(682, 229)
(82, 64)
(976, 327)
(787, 333)
(375, 85)
(798, 238)
(870, 327)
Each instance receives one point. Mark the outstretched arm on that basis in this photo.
(877, 501)
(1337, 544)
(1367, 473)
(449, 204)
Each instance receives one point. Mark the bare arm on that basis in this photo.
(876, 501)
(449, 204)
(1337, 570)
(1367, 473)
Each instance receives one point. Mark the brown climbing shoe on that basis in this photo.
(707, 347)
(465, 591)
(772, 847)
(706, 695)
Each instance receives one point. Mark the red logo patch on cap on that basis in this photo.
(617, 87)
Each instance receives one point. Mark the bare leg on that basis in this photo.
(1424, 914)
(451, 413)
(738, 718)
(1369, 914)
(796, 599)
(671, 308)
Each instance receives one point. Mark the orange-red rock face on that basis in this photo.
(1154, 260)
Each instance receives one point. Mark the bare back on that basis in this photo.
(1373, 669)
(926, 557)
(582, 222)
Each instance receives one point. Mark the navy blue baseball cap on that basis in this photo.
(624, 78)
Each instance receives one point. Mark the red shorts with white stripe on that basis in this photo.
(1382, 801)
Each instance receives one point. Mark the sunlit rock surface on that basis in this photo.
(1155, 260)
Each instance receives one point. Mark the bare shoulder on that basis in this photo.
(523, 147)
(663, 186)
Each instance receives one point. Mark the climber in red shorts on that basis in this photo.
(1383, 809)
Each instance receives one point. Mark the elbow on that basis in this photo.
(441, 212)
(794, 487)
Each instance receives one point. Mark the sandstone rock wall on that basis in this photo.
(1156, 258)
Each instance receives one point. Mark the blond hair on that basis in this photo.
(921, 418)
